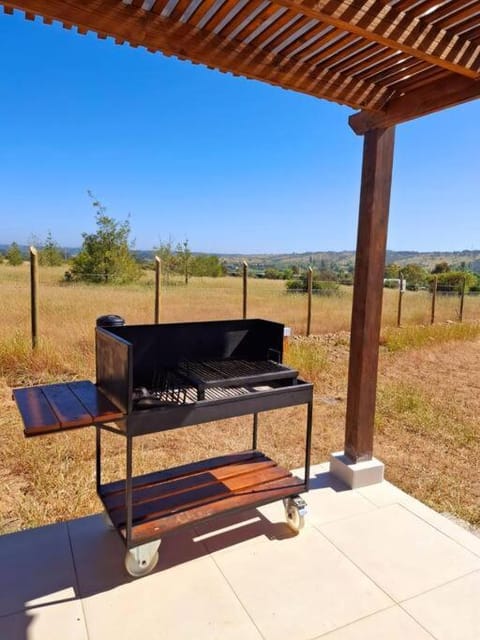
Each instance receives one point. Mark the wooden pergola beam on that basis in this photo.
(432, 97)
(368, 293)
(377, 21)
(127, 23)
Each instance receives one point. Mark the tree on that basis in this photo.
(169, 259)
(319, 287)
(183, 255)
(415, 275)
(50, 255)
(441, 267)
(273, 274)
(452, 282)
(207, 266)
(105, 256)
(13, 255)
(392, 271)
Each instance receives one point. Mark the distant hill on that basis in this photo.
(345, 259)
(342, 259)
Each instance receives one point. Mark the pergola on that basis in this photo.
(392, 60)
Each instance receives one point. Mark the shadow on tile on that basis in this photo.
(99, 552)
(37, 565)
(325, 480)
(37, 568)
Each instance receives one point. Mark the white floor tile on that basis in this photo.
(190, 601)
(63, 621)
(385, 493)
(403, 554)
(451, 612)
(36, 567)
(390, 624)
(300, 587)
(99, 554)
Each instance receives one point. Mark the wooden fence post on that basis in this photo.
(158, 277)
(309, 300)
(462, 299)
(400, 299)
(434, 298)
(34, 295)
(245, 289)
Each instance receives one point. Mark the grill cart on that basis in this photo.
(153, 378)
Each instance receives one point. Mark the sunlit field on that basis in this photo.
(425, 373)
(67, 312)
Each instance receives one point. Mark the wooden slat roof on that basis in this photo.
(393, 60)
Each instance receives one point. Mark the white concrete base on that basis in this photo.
(356, 475)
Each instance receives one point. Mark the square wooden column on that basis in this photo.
(368, 292)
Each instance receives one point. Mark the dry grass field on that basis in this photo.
(427, 410)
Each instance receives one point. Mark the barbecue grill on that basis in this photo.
(153, 378)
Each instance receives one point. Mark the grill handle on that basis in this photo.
(274, 355)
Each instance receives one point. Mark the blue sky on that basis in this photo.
(232, 165)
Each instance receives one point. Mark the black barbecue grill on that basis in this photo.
(151, 378)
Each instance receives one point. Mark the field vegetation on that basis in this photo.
(427, 410)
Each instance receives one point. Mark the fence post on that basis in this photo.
(400, 298)
(434, 298)
(245, 288)
(309, 301)
(462, 299)
(34, 295)
(158, 277)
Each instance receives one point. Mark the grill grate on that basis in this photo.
(207, 380)
(144, 398)
(215, 370)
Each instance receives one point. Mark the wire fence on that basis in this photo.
(323, 308)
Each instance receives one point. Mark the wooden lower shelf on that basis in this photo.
(167, 500)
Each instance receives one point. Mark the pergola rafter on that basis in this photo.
(378, 21)
(380, 57)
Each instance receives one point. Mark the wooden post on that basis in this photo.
(245, 289)
(368, 292)
(462, 299)
(158, 285)
(309, 302)
(434, 299)
(400, 298)
(34, 295)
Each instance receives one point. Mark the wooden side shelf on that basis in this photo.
(56, 407)
(173, 498)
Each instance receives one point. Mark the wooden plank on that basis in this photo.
(375, 21)
(179, 485)
(96, 404)
(176, 501)
(432, 97)
(379, 22)
(255, 496)
(182, 471)
(368, 292)
(36, 412)
(69, 410)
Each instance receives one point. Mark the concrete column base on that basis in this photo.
(356, 474)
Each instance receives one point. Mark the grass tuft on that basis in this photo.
(415, 337)
(309, 358)
(20, 365)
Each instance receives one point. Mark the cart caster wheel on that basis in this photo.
(141, 560)
(295, 510)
